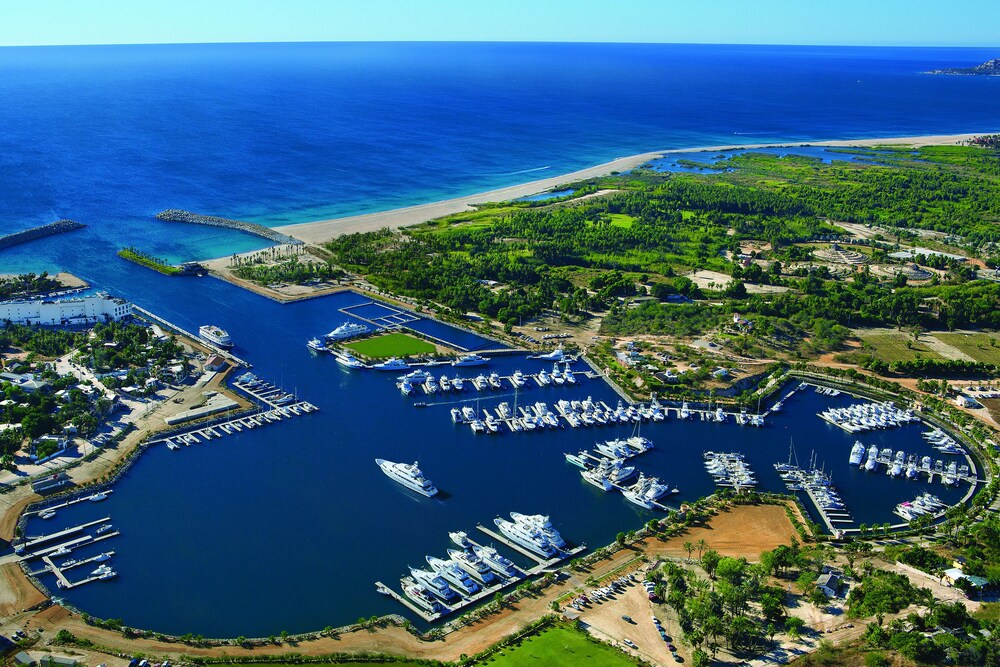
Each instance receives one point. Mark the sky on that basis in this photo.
(822, 22)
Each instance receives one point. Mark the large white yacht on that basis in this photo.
(393, 364)
(470, 360)
(526, 536)
(542, 523)
(500, 563)
(316, 345)
(348, 360)
(474, 565)
(433, 583)
(454, 575)
(215, 335)
(348, 330)
(421, 596)
(871, 465)
(409, 475)
(555, 355)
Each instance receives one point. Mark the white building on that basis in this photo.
(99, 307)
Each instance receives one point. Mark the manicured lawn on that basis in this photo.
(558, 646)
(391, 345)
(989, 611)
(976, 345)
(893, 347)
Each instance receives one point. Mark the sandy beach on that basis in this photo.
(324, 230)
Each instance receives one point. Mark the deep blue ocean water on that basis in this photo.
(289, 526)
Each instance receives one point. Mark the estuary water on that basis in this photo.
(288, 527)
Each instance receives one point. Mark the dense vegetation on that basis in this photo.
(513, 261)
(144, 259)
(26, 285)
(291, 270)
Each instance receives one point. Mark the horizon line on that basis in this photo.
(506, 41)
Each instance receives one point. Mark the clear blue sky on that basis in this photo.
(847, 22)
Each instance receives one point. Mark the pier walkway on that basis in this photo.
(66, 503)
(30, 544)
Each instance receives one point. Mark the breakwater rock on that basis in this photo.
(57, 227)
(178, 215)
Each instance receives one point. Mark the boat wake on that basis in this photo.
(524, 171)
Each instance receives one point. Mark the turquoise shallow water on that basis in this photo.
(288, 527)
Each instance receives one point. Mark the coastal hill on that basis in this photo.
(988, 68)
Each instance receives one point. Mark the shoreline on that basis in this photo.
(320, 231)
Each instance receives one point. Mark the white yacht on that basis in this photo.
(857, 453)
(568, 374)
(393, 364)
(461, 539)
(46, 514)
(348, 330)
(97, 497)
(500, 564)
(598, 477)
(215, 335)
(421, 596)
(316, 345)
(526, 536)
(871, 465)
(456, 416)
(103, 557)
(494, 380)
(348, 360)
(542, 523)
(408, 475)
(470, 360)
(555, 355)
(453, 574)
(434, 584)
(543, 378)
(406, 387)
(468, 413)
(474, 565)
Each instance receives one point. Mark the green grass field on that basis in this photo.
(556, 647)
(391, 345)
(893, 347)
(976, 345)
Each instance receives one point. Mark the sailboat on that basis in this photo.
(785, 467)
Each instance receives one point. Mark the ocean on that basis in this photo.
(288, 527)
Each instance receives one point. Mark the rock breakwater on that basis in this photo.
(178, 215)
(57, 227)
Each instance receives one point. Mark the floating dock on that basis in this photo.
(66, 503)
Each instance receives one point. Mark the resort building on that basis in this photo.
(99, 307)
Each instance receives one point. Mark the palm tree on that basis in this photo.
(688, 547)
(702, 545)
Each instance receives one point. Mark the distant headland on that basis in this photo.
(988, 68)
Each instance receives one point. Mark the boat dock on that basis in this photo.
(484, 591)
(30, 544)
(66, 503)
(235, 425)
(64, 567)
(542, 562)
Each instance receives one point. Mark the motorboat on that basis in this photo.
(857, 453)
(316, 345)
(348, 360)
(421, 596)
(454, 575)
(474, 565)
(434, 584)
(557, 354)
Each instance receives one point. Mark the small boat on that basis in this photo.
(316, 345)
(61, 551)
(103, 557)
(97, 497)
(46, 514)
(103, 528)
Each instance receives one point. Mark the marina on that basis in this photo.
(435, 600)
(63, 504)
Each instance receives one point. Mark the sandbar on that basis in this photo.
(324, 230)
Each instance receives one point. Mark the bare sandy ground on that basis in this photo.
(324, 230)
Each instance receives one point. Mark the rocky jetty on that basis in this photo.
(988, 68)
(178, 215)
(57, 227)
